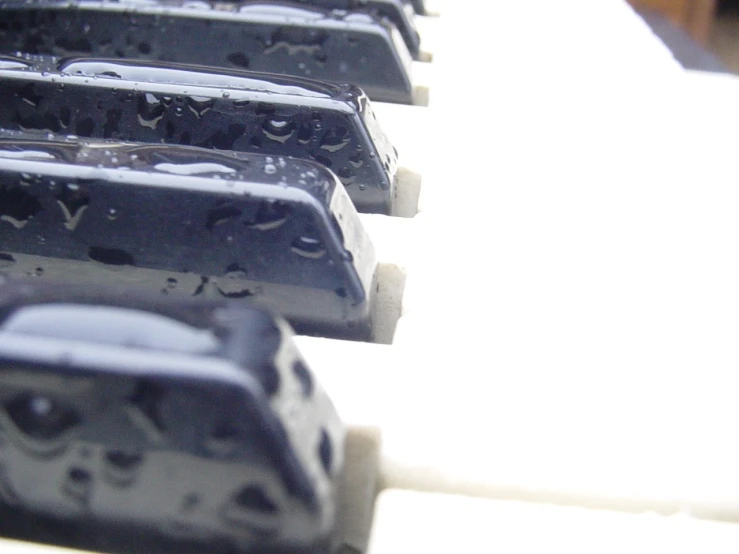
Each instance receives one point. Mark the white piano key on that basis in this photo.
(392, 237)
(403, 126)
(551, 424)
(433, 523)
(18, 547)
(596, 364)
(354, 374)
(406, 128)
(543, 37)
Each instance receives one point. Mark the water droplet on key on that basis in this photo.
(270, 215)
(278, 129)
(199, 106)
(234, 283)
(121, 466)
(335, 139)
(220, 215)
(40, 417)
(78, 485)
(308, 247)
(73, 202)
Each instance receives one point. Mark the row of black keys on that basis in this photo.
(185, 421)
(370, 43)
(242, 218)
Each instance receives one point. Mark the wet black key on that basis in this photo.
(399, 12)
(211, 108)
(161, 419)
(192, 222)
(279, 37)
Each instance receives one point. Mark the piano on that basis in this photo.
(556, 367)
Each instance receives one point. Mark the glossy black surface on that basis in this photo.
(399, 12)
(192, 222)
(212, 108)
(279, 37)
(187, 421)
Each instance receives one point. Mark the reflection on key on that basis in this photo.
(206, 107)
(192, 222)
(160, 420)
(344, 47)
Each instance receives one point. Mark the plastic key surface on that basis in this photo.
(160, 420)
(187, 221)
(279, 37)
(206, 107)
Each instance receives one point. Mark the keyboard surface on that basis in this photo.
(561, 372)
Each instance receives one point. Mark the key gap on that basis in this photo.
(407, 193)
(388, 299)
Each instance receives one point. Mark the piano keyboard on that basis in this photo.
(555, 350)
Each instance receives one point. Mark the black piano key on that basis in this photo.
(274, 36)
(164, 419)
(419, 6)
(211, 108)
(192, 222)
(399, 12)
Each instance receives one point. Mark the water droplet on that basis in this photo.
(308, 247)
(73, 202)
(39, 417)
(221, 214)
(239, 59)
(347, 175)
(335, 139)
(78, 485)
(121, 466)
(234, 283)
(200, 105)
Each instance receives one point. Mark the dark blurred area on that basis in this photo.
(724, 39)
(702, 34)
